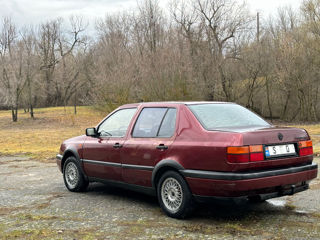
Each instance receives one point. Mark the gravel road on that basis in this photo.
(34, 204)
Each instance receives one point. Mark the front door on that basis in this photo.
(101, 155)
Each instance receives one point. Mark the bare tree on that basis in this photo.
(223, 20)
(12, 65)
(67, 84)
(150, 19)
(32, 61)
(47, 45)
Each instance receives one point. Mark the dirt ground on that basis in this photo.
(34, 204)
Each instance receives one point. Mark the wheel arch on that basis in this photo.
(68, 153)
(163, 166)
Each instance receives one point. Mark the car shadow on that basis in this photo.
(124, 194)
(249, 210)
(213, 211)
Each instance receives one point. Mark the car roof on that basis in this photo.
(173, 102)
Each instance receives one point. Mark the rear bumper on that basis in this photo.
(266, 184)
(262, 196)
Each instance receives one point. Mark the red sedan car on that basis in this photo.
(190, 151)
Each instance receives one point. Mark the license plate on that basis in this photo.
(280, 150)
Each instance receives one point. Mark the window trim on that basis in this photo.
(175, 124)
(160, 125)
(111, 114)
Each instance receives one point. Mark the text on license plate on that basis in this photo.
(278, 150)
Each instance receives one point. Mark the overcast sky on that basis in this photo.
(37, 11)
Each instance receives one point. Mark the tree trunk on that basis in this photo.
(268, 98)
(30, 97)
(31, 111)
(75, 101)
(223, 79)
(286, 106)
(14, 111)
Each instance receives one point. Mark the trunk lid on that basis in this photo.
(274, 135)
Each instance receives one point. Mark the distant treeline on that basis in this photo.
(211, 50)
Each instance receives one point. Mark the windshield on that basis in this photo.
(226, 115)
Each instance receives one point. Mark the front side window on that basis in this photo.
(220, 116)
(117, 124)
(155, 122)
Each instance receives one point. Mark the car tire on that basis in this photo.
(73, 177)
(174, 195)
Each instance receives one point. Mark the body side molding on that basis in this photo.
(138, 167)
(113, 164)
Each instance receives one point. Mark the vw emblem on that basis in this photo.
(280, 136)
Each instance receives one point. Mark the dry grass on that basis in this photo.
(314, 132)
(41, 138)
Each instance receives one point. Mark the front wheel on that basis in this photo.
(73, 177)
(174, 195)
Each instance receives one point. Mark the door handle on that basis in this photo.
(117, 145)
(162, 147)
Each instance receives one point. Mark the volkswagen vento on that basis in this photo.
(184, 152)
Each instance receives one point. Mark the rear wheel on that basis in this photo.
(174, 195)
(73, 177)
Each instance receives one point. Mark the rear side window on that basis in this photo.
(155, 122)
(168, 124)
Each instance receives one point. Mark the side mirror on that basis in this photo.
(91, 132)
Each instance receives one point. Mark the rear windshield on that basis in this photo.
(219, 116)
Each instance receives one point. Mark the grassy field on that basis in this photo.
(41, 138)
(314, 132)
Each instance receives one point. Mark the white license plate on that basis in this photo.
(280, 150)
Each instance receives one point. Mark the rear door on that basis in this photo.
(148, 143)
(101, 156)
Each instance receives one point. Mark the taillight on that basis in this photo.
(256, 153)
(305, 148)
(238, 154)
(245, 154)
